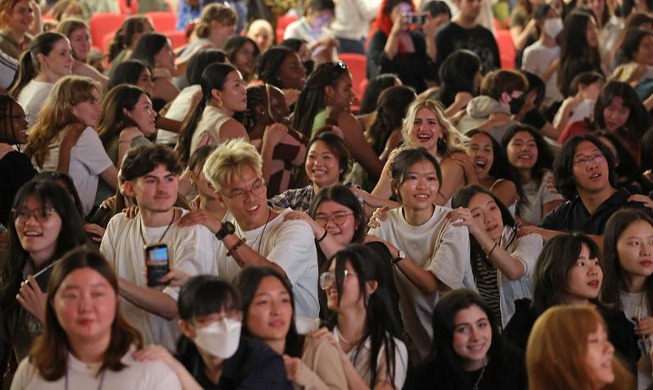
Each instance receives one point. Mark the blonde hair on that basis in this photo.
(555, 355)
(228, 161)
(454, 138)
(57, 113)
(6, 7)
(261, 23)
(221, 13)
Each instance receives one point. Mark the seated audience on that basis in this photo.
(127, 37)
(16, 18)
(261, 32)
(242, 53)
(313, 27)
(79, 35)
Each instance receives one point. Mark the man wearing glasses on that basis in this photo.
(584, 171)
(257, 235)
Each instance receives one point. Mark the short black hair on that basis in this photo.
(143, 159)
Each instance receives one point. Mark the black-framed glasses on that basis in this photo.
(596, 158)
(258, 187)
(326, 278)
(338, 219)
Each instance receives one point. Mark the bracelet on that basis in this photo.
(491, 251)
(319, 240)
(236, 246)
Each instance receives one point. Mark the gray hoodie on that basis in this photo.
(478, 111)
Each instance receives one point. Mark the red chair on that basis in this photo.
(283, 22)
(128, 9)
(357, 64)
(506, 49)
(106, 41)
(163, 21)
(103, 24)
(177, 38)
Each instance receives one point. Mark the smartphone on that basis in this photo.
(414, 18)
(157, 262)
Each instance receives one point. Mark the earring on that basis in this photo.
(442, 144)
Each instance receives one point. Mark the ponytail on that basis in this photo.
(117, 45)
(26, 72)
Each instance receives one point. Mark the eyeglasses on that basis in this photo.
(338, 219)
(326, 278)
(596, 158)
(239, 194)
(40, 215)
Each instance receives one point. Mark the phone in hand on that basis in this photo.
(157, 262)
(414, 18)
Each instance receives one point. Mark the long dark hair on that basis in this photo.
(625, 165)
(381, 324)
(200, 61)
(127, 72)
(444, 357)
(576, 55)
(29, 65)
(374, 88)
(544, 156)
(8, 133)
(192, 304)
(148, 46)
(457, 74)
(125, 35)
(553, 266)
(614, 278)
(113, 120)
(639, 121)
(247, 282)
(391, 109)
(235, 44)
(213, 77)
(71, 235)
(50, 350)
(311, 99)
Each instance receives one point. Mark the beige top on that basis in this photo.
(322, 367)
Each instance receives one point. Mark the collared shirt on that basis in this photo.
(298, 199)
(572, 216)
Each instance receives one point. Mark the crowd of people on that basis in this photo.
(226, 215)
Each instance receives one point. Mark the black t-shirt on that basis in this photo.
(253, 366)
(572, 216)
(478, 39)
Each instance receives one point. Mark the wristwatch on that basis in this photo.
(227, 229)
(400, 256)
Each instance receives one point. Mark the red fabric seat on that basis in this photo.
(283, 22)
(103, 24)
(163, 21)
(506, 49)
(357, 64)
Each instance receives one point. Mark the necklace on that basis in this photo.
(99, 387)
(346, 342)
(478, 381)
(260, 241)
(174, 212)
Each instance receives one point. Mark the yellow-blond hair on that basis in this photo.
(454, 138)
(57, 113)
(555, 355)
(229, 160)
(221, 13)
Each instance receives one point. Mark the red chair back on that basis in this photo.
(506, 49)
(163, 21)
(357, 64)
(103, 24)
(177, 38)
(283, 22)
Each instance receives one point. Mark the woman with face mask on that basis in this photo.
(211, 353)
(541, 57)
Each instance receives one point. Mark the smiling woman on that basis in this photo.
(64, 138)
(16, 17)
(86, 342)
(78, 33)
(41, 212)
(468, 352)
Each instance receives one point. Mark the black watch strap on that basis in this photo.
(227, 229)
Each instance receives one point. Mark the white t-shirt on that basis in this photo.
(438, 247)
(536, 59)
(360, 358)
(87, 160)
(527, 249)
(302, 30)
(537, 196)
(179, 107)
(32, 97)
(212, 120)
(290, 245)
(190, 249)
(353, 18)
(136, 375)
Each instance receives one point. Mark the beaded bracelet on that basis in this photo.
(236, 246)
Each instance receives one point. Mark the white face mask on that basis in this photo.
(220, 338)
(552, 27)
